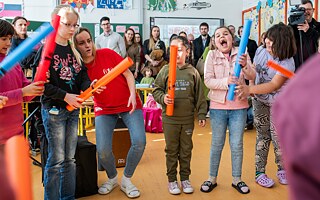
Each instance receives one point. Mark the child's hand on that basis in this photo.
(243, 60)
(132, 101)
(242, 91)
(73, 100)
(232, 79)
(100, 89)
(34, 89)
(167, 100)
(202, 123)
(3, 101)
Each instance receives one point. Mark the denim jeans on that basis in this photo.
(235, 121)
(60, 170)
(105, 125)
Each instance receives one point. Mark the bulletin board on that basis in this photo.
(254, 15)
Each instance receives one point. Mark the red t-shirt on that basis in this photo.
(114, 99)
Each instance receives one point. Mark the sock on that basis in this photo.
(259, 173)
(212, 179)
(114, 180)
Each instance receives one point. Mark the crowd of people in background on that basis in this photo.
(198, 92)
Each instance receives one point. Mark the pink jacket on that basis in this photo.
(11, 116)
(216, 72)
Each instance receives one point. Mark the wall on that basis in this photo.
(218, 9)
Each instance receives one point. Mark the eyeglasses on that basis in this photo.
(309, 9)
(105, 24)
(70, 25)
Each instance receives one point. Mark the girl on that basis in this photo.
(147, 79)
(132, 51)
(223, 113)
(67, 78)
(178, 128)
(14, 89)
(154, 43)
(280, 48)
(108, 108)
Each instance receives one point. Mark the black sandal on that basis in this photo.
(239, 187)
(210, 186)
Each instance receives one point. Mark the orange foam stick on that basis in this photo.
(107, 78)
(172, 77)
(280, 69)
(18, 167)
(48, 50)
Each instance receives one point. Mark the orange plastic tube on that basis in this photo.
(107, 78)
(172, 77)
(48, 50)
(280, 69)
(18, 167)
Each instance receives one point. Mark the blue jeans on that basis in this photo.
(105, 125)
(60, 170)
(235, 120)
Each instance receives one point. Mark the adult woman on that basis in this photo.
(133, 52)
(108, 108)
(153, 46)
(138, 40)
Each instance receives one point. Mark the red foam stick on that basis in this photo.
(18, 167)
(107, 78)
(280, 69)
(48, 50)
(172, 77)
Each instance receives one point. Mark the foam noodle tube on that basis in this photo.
(48, 50)
(280, 69)
(172, 77)
(241, 51)
(18, 167)
(107, 78)
(24, 49)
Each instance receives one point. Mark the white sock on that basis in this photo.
(212, 179)
(127, 181)
(114, 180)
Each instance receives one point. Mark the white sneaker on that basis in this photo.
(107, 187)
(208, 114)
(174, 188)
(187, 187)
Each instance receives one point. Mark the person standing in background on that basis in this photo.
(200, 43)
(133, 52)
(236, 39)
(110, 39)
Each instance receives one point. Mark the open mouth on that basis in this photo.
(224, 43)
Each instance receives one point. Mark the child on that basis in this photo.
(14, 89)
(108, 108)
(67, 78)
(219, 67)
(178, 128)
(280, 48)
(147, 79)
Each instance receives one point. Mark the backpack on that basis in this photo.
(152, 115)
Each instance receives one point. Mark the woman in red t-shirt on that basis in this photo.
(119, 99)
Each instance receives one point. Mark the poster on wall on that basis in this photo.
(80, 5)
(272, 14)
(162, 5)
(115, 4)
(10, 10)
(254, 15)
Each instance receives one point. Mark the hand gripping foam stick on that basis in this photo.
(107, 78)
(172, 77)
(242, 50)
(24, 48)
(280, 69)
(48, 50)
(18, 167)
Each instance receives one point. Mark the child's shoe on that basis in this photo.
(108, 186)
(264, 180)
(174, 188)
(187, 187)
(282, 177)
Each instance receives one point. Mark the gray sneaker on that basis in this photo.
(187, 187)
(174, 188)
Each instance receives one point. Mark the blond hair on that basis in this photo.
(61, 10)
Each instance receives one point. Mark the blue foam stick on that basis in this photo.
(24, 49)
(241, 51)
